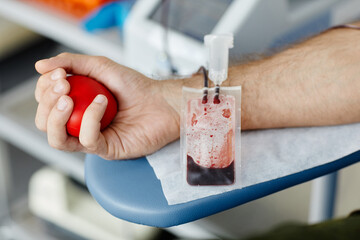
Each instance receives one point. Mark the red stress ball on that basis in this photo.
(83, 90)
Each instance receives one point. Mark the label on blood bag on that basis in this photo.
(210, 141)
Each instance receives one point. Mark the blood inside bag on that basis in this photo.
(210, 141)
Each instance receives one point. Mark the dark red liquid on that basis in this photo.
(202, 176)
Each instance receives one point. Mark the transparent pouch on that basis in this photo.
(210, 140)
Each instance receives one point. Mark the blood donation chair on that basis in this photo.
(129, 189)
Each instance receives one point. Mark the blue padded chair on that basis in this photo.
(129, 189)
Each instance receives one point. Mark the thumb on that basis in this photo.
(90, 136)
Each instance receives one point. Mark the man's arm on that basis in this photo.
(311, 84)
(314, 83)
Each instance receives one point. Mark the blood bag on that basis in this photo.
(210, 137)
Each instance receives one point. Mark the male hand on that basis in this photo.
(144, 123)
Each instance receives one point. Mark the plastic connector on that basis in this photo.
(218, 48)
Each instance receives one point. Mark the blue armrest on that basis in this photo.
(130, 190)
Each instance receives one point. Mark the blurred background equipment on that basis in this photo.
(67, 204)
(14, 38)
(76, 8)
(258, 26)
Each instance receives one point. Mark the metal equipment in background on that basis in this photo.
(258, 26)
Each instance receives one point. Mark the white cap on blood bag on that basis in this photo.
(218, 47)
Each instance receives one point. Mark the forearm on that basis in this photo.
(314, 83)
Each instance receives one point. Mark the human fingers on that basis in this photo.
(93, 66)
(90, 136)
(48, 100)
(48, 80)
(115, 77)
(56, 126)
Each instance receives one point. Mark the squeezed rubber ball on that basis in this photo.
(83, 90)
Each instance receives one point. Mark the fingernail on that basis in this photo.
(56, 75)
(99, 99)
(62, 104)
(58, 87)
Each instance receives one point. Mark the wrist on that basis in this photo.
(246, 76)
(171, 90)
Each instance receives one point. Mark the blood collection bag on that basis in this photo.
(210, 137)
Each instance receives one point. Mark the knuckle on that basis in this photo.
(56, 144)
(66, 86)
(37, 95)
(102, 60)
(48, 99)
(40, 125)
(41, 83)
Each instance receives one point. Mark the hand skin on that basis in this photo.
(144, 123)
(314, 83)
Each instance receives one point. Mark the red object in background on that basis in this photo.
(76, 8)
(83, 90)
